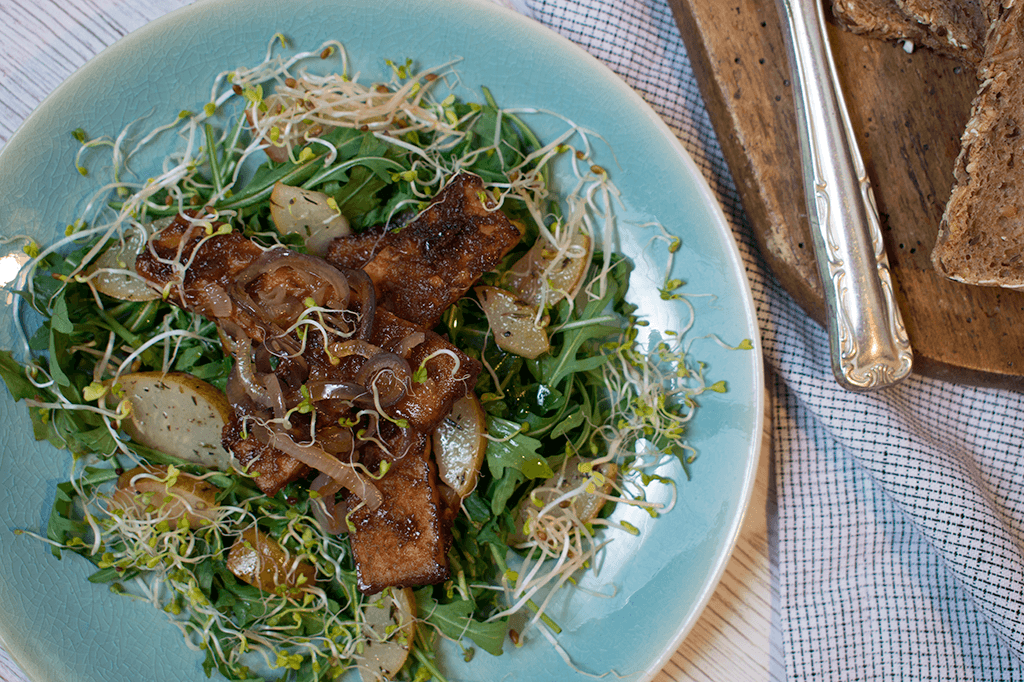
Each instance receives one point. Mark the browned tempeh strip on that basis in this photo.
(421, 269)
(405, 542)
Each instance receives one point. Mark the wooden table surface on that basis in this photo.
(42, 42)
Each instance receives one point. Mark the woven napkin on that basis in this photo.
(900, 513)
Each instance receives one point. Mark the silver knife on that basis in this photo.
(868, 341)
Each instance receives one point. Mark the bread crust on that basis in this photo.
(981, 235)
(960, 24)
(889, 20)
(875, 18)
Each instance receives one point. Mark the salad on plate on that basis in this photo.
(353, 372)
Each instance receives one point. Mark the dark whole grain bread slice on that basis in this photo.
(881, 19)
(981, 236)
(961, 24)
(886, 20)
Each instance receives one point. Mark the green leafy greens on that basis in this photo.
(559, 426)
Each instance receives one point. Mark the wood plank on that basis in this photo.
(908, 111)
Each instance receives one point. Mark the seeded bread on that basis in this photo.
(881, 19)
(981, 236)
(960, 23)
(887, 20)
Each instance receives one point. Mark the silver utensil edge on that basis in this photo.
(868, 340)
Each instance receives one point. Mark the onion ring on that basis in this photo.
(389, 369)
(274, 259)
(315, 457)
(240, 400)
(404, 444)
(215, 302)
(362, 286)
(246, 373)
(410, 342)
(324, 389)
(337, 440)
(276, 394)
(325, 510)
(284, 346)
(342, 349)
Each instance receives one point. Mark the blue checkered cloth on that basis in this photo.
(900, 513)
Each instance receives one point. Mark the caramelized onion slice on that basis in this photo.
(337, 440)
(386, 374)
(323, 389)
(307, 267)
(315, 457)
(410, 342)
(244, 373)
(342, 349)
(362, 287)
(330, 515)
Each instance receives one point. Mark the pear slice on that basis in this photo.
(513, 323)
(389, 625)
(308, 214)
(150, 490)
(121, 255)
(259, 560)
(460, 443)
(176, 413)
(541, 263)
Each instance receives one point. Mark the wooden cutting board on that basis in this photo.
(908, 111)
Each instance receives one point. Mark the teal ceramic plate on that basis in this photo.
(60, 627)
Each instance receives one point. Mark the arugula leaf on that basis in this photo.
(64, 523)
(492, 167)
(455, 620)
(40, 339)
(13, 375)
(511, 461)
(59, 319)
(58, 344)
(518, 452)
(501, 489)
(61, 526)
(553, 369)
(262, 184)
(109, 575)
(373, 174)
(573, 420)
(475, 507)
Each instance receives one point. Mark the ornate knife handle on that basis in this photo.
(867, 338)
